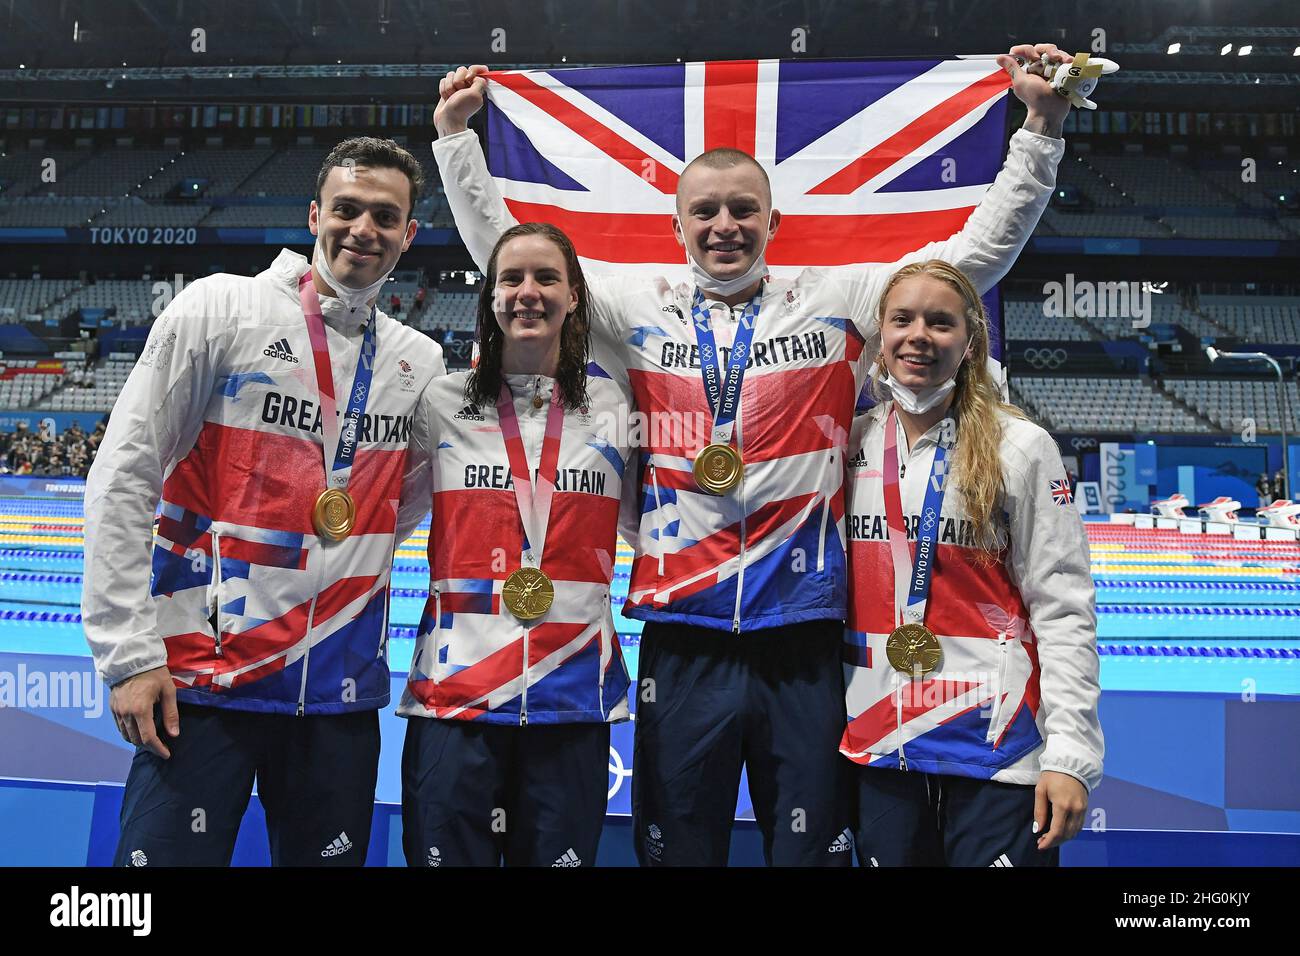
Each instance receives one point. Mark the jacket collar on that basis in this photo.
(288, 268)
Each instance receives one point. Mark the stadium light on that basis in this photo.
(1227, 48)
(1296, 51)
(1214, 355)
(1174, 48)
(1245, 50)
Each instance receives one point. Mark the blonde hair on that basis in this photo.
(978, 466)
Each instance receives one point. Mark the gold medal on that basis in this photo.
(913, 650)
(528, 593)
(718, 469)
(334, 514)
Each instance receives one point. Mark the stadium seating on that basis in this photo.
(152, 214)
(1026, 321)
(41, 213)
(1232, 403)
(1225, 227)
(1272, 179)
(109, 376)
(29, 170)
(224, 169)
(20, 298)
(1123, 226)
(20, 389)
(290, 172)
(111, 172)
(1258, 319)
(131, 298)
(264, 217)
(1158, 181)
(1102, 405)
(1075, 171)
(454, 311)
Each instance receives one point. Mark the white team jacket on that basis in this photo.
(220, 416)
(1017, 688)
(474, 660)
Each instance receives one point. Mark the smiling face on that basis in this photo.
(924, 334)
(722, 217)
(533, 294)
(362, 221)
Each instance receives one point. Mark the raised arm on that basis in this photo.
(996, 232)
(480, 212)
(479, 209)
(993, 237)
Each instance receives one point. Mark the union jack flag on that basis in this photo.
(869, 159)
(1061, 493)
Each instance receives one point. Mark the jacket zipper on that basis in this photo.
(216, 590)
(311, 621)
(740, 574)
(523, 703)
(826, 512)
(606, 652)
(902, 758)
(306, 655)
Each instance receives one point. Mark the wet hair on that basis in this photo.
(484, 383)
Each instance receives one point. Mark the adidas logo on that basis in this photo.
(1001, 861)
(281, 351)
(842, 843)
(470, 413)
(340, 845)
(435, 857)
(568, 858)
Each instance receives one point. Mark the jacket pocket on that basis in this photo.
(439, 637)
(214, 592)
(660, 524)
(383, 633)
(826, 515)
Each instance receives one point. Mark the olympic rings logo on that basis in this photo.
(1079, 444)
(1046, 358)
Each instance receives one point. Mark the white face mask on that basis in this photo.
(352, 298)
(917, 402)
(708, 283)
(920, 401)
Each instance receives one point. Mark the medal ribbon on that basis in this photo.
(724, 397)
(921, 568)
(340, 438)
(534, 500)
